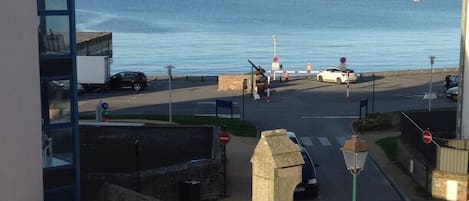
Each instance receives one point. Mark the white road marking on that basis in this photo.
(306, 141)
(331, 117)
(324, 141)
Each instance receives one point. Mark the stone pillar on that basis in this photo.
(276, 167)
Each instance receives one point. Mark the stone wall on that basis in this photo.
(234, 82)
(167, 156)
(113, 149)
(111, 192)
(161, 183)
(440, 185)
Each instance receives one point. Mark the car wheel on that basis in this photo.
(320, 79)
(339, 81)
(137, 86)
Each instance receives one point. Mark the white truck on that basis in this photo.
(93, 72)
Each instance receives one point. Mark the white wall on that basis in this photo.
(463, 108)
(20, 118)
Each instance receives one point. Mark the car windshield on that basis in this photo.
(293, 139)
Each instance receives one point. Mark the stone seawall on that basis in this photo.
(412, 72)
(450, 70)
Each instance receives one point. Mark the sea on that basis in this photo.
(211, 37)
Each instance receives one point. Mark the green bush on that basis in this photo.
(374, 121)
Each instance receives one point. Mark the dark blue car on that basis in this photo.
(309, 184)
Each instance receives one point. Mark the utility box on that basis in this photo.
(276, 167)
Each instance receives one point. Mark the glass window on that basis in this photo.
(58, 96)
(45, 5)
(54, 35)
(57, 147)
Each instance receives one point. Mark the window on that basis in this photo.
(58, 96)
(48, 5)
(54, 35)
(57, 147)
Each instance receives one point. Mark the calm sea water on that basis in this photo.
(219, 36)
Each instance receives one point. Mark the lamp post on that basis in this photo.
(355, 152)
(432, 61)
(275, 37)
(170, 74)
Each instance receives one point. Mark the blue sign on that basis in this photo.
(104, 105)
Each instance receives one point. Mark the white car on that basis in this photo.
(336, 75)
(452, 93)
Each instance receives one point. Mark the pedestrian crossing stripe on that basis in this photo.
(306, 141)
(323, 141)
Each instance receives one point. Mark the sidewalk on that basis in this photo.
(409, 190)
(240, 150)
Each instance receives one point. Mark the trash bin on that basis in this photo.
(190, 191)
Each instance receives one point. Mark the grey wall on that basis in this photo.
(165, 159)
(20, 122)
(113, 149)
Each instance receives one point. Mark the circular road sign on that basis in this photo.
(343, 60)
(427, 136)
(104, 105)
(275, 59)
(224, 138)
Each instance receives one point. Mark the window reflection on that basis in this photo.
(52, 5)
(57, 147)
(54, 35)
(58, 95)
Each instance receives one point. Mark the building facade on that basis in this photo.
(20, 136)
(39, 141)
(59, 112)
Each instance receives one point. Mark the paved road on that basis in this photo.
(317, 112)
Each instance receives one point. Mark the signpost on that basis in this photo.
(170, 74)
(427, 136)
(343, 63)
(224, 138)
(363, 104)
(275, 59)
(427, 139)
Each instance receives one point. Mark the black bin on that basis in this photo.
(189, 191)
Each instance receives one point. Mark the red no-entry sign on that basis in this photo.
(224, 138)
(427, 136)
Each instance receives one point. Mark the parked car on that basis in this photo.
(136, 80)
(309, 185)
(451, 81)
(60, 89)
(453, 93)
(336, 75)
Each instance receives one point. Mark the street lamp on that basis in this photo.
(431, 95)
(355, 152)
(170, 74)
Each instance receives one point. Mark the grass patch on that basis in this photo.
(389, 146)
(234, 126)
